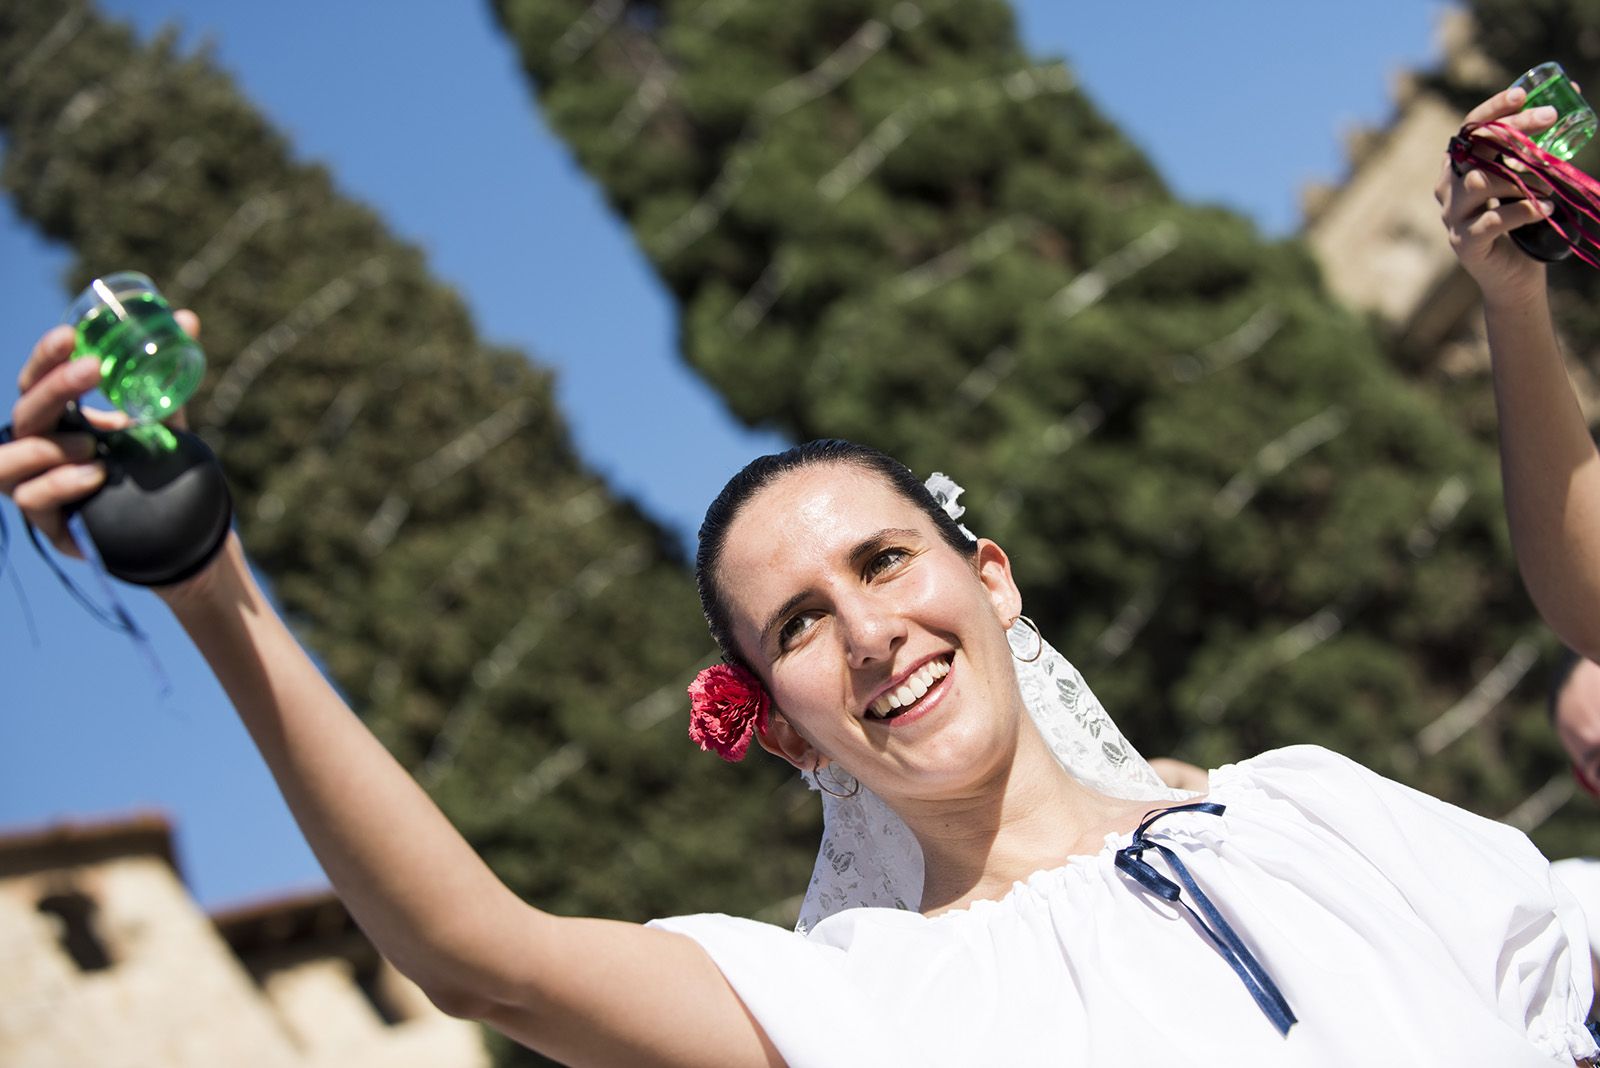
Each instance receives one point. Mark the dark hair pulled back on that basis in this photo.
(764, 470)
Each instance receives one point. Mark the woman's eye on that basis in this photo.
(796, 626)
(884, 561)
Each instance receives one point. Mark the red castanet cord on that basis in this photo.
(1568, 187)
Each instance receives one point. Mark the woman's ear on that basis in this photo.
(994, 571)
(782, 740)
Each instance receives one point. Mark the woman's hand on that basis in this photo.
(43, 469)
(1479, 210)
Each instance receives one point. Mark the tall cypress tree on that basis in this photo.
(884, 221)
(515, 632)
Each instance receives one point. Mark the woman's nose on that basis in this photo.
(872, 631)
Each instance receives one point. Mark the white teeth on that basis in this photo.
(910, 691)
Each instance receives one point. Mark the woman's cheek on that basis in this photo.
(794, 688)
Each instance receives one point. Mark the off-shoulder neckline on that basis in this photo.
(1042, 880)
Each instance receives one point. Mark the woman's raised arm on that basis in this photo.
(581, 990)
(1547, 460)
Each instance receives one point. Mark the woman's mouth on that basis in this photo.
(910, 695)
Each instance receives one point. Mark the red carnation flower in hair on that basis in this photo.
(727, 705)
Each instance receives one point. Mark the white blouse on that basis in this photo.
(1581, 876)
(1400, 929)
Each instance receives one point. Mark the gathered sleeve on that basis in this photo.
(800, 990)
(1581, 876)
(1514, 930)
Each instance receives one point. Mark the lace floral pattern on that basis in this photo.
(1078, 729)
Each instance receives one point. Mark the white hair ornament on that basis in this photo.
(945, 490)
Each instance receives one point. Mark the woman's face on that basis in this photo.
(884, 649)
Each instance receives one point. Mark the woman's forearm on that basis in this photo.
(1550, 469)
(427, 901)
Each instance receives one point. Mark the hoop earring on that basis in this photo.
(1038, 648)
(816, 773)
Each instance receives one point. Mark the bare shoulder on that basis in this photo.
(1182, 776)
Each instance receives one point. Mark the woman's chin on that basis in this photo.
(952, 757)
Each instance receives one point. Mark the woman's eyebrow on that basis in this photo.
(863, 549)
(777, 617)
(874, 543)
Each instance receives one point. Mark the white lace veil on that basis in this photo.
(869, 857)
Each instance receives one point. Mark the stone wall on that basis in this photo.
(106, 961)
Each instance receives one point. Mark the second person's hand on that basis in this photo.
(1480, 209)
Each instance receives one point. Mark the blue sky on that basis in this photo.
(424, 114)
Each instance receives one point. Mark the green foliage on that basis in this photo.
(885, 222)
(514, 632)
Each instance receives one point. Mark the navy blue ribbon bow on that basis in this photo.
(1130, 860)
